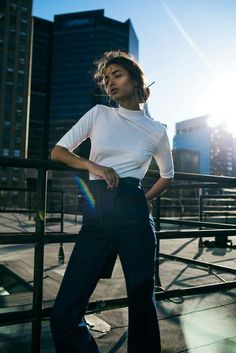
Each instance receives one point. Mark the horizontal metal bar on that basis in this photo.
(60, 238)
(53, 237)
(30, 189)
(15, 211)
(199, 185)
(198, 177)
(11, 318)
(194, 233)
(18, 238)
(229, 196)
(27, 238)
(40, 164)
(104, 305)
(197, 223)
(15, 317)
(198, 263)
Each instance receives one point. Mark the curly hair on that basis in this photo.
(127, 62)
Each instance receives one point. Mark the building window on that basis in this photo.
(18, 126)
(21, 61)
(3, 180)
(19, 99)
(19, 113)
(5, 152)
(13, 6)
(18, 139)
(22, 48)
(17, 153)
(15, 180)
(7, 124)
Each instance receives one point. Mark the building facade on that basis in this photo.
(40, 89)
(15, 74)
(214, 145)
(186, 161)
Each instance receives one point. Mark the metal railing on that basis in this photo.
(40, 237)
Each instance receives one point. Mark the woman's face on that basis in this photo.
(119, 84)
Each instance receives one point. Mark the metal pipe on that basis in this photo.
(39, 260)
(181, 234)
(197, 223)
(198, 263)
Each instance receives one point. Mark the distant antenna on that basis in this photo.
(151, 84)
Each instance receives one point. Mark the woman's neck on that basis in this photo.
(130, 104)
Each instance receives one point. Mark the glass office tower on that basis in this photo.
(40, 89)
(214, 145)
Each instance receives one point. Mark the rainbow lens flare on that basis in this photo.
(83, 188)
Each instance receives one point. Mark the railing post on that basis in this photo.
(30, 204)
(158, 227)
(200, 242)
(39, 260)
(158, 213)
(62, 210)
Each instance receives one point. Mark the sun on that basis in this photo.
(219, 101)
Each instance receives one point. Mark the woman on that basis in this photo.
(123, 141)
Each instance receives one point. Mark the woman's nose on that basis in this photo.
(110, 85)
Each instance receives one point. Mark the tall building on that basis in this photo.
(186, 161)
(234, 156)
(15, 73)
(40, 89)
(78, 40)
(214, 145)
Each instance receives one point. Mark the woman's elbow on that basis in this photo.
(169, 181)
(55, 154)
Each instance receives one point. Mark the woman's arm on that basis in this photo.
(160, 186)
(157, 189)
(63, 155)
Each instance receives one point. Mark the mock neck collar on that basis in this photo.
(130, 114)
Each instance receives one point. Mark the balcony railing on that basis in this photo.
(202, 229)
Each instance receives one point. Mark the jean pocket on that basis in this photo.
(132, 209)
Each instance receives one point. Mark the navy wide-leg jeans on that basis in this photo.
(113, 221)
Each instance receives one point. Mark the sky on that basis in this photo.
(188, 47)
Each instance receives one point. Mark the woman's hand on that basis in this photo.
(108, 174)
(63, 155)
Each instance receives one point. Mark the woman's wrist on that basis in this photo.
(88, 165)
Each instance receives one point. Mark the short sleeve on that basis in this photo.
(80, 131)
(163, 157)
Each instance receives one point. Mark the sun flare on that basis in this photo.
(220, 101)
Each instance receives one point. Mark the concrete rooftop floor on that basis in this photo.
(203, 323)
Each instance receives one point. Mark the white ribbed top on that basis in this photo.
(122, 139)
